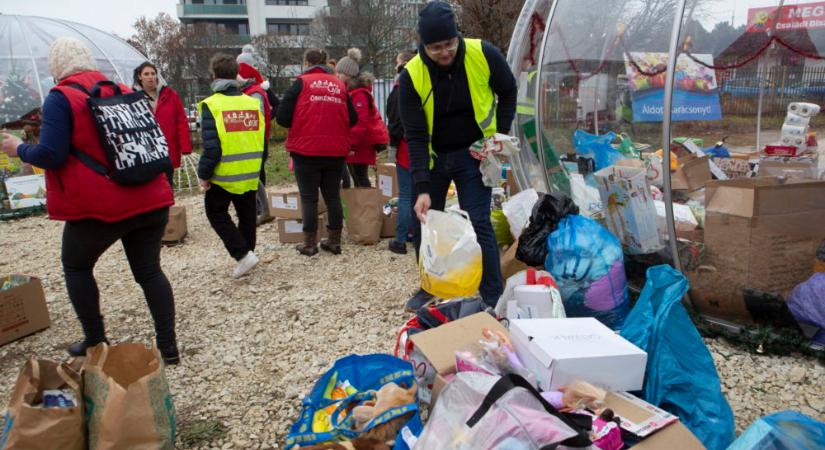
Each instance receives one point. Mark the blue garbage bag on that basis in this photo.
(681, 377)
(784, 430)
(597, 147)
(587, 262)
(361, 376)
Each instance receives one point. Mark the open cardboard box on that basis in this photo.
(657, 429)
(761, 233)
(693, 174)
(438, 345)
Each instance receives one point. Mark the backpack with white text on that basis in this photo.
(135, 148)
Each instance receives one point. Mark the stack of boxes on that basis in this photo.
(285, 207)
(797, 155)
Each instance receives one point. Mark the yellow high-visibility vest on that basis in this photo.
(478, 79)
(241, 129)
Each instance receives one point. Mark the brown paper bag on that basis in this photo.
(127, 399)
(364, 214)
(33, 427)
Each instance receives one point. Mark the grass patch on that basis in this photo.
(277, 166)
(193, 434)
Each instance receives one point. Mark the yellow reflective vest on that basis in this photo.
(478, 79)
(241, 129)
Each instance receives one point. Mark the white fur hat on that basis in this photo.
(68, 56)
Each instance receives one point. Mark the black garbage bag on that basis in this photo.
(548, 211)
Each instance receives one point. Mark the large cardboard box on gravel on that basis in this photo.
(23, 308)
(693, 174)
(287, 205)
(760, 233)
(438, 346)
(291, 231)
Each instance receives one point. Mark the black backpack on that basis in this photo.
(136, 150)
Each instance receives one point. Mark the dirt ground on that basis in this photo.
(252, 347)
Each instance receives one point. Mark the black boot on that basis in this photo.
(309, 247)
(333, 243)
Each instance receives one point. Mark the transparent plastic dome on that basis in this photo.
(24, 49)
(705, 78)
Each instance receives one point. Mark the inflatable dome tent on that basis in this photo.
(24, 49)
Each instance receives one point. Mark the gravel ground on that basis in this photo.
(252, 347)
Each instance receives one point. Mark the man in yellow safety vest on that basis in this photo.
(232, 127)
(453, 93)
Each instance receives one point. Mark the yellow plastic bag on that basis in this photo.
(450, 261)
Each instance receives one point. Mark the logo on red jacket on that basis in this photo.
(240, 120)
(330, 86)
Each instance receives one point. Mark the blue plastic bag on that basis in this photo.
(785, 430)
(365, 374)
(587, 263)
(597, 147)
(681, 377)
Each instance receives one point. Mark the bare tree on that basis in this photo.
(380, 28)
(281, 55)
(162, 41)
(491, 20)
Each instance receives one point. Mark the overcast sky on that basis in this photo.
(108, 15)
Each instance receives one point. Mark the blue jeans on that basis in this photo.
(405, 192)
(474, 198)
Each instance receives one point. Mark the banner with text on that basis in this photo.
(695, 94)
(809, 16)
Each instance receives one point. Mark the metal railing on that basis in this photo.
(214, 9)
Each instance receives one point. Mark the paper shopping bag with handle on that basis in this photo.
(45, 411)
(128, 404)
(364, 208)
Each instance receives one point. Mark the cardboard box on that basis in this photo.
(760, 233)
(438, 385)
(657, 429)
(291, 231)
(734, 168)
(437, 347)
(287, 205)
(560, 351)
(509, 264)
(387, 180)
(388, 225)
(788, 167)
(176, 227)
(23, 310)
(693, 175)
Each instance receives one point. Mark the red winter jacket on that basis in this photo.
(173, 122)
(257, 89)
(74, 191)
(320, 124)
(370, 129)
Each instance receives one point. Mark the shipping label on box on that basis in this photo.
(23, 308)
(387, 180)
(560, 351)
(26, 191)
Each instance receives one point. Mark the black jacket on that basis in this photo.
(394, 124)
(454, 124)
(211, 156)
(286, 109)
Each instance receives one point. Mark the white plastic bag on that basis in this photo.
(519, 209)
(450, 258)
(489, 150)
(586, 197)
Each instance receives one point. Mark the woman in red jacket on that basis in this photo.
(168, 110)
(370, 133)
(97, 211)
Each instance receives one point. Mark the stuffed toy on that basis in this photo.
(388, 397)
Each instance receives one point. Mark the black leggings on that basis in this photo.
(83, 243)
(317, 172)
(360, 175)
